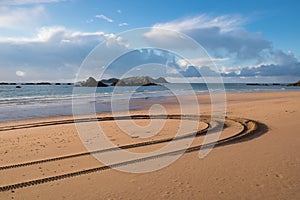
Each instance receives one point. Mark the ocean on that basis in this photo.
(36, 101)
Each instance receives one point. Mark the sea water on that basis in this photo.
(36, 101)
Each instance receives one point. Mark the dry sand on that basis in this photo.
(263, 167)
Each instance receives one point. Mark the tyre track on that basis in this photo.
(249, 128)
(83, 120)
(140, 144)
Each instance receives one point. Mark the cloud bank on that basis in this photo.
(225, 39)
(20, 18)
(222, 35)
(55, 52)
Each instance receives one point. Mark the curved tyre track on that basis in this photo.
(250, 129)
(205, 119)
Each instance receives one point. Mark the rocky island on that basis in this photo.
(139, 81)
(91, 82)
(130, 81)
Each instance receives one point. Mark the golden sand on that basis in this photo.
(263, 166)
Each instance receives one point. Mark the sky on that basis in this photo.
(246, 40)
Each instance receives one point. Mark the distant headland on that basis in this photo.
(38, 83)
(274, 84)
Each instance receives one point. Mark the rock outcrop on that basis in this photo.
(139, 81)
(295, 84)
(150, 84)
(131, 81)
(43, 83)
(160, 80)
(109, 81)
(91, 82)
(2, 83)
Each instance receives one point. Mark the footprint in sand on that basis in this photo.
(279, 176)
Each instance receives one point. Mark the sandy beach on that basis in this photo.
(38, 157)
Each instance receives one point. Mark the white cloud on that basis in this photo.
(119, 11)
(228, 70)
(44, 34)
(222, 36)
(46, 55)
(235, 50)
(123, 24)
(167, 34)
(226, 23)
(116, 41)
(105, 18)
(84, 34)
(183, 63)
(20, 18)
(90, 21)
(26, 2)
(292, 69)
(58, 34)
(20, 73)
(48, 33)
(281, 64)
(283, 58)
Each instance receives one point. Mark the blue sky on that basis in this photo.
(248, 40)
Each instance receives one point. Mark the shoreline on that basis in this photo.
(140, 106)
